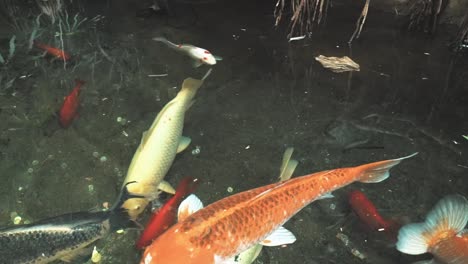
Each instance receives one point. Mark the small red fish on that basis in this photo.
(369, 214)
(166, 216)
(56, 52)
(69, 108)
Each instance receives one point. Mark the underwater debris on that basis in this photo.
(350, 246)
(336, 64)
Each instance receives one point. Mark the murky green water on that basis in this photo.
(266, 94)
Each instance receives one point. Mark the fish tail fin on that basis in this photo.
(447, 218)
(192, 85)
(380, 170)
(119, 217)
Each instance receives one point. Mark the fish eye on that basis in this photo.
(207, 52)
(205, 58)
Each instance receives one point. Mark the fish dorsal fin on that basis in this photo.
(288, 166)
(280, 236)
(190, 205)
(262, 194)
(448, 217)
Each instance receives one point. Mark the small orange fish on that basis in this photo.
(55, 52)
(222, 230)
(69, 108)
(443, 234)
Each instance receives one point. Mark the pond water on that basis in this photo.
(267, 94)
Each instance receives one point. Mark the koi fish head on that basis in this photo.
(203, 55)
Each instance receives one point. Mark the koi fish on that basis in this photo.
(69, 108)
(67, 237)
(167, 215)
(368, 213)
(158, 148)
(200, 56)
(220, 231)
(55, 52)
(443, 234)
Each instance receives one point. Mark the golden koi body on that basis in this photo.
(158, 148)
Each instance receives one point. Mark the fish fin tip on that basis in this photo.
(379, 171)
(184, 142)
(218, 58)
(166, 187)
(288, 165)
(188, 206)
(280, 236)
(411, 239)
(288, 171)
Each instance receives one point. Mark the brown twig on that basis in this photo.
(360, 22)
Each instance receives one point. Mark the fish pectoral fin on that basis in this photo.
(184, 142)
(166, 187)
(218, 58)
(81, 255)
(190, 205)
(280, 236)
(249, 255)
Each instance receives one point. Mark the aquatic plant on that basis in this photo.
(309, 13)
(423, 14)
(305, 13)
(461, 40)
(68, 25)
(51, 8)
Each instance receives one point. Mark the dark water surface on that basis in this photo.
(411, 95)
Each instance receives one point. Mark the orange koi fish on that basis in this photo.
(368, 213)
(222, 230)
(69, 108)
(167, 215)
(443, 234)
(55, 52)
